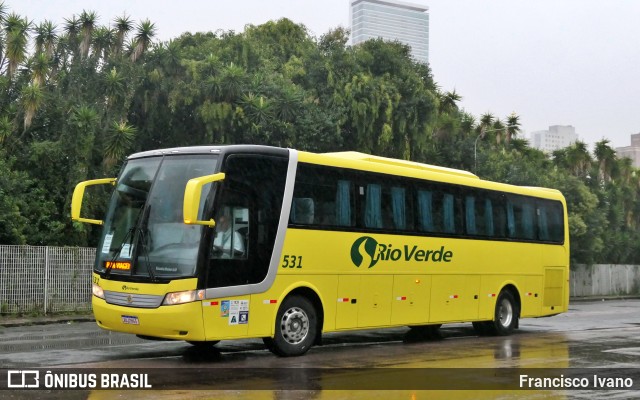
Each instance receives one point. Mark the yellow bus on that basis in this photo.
(209, 243)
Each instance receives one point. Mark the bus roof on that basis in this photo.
(354, 155)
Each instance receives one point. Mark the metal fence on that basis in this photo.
(41, 280)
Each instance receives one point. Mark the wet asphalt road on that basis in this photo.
(602, 334)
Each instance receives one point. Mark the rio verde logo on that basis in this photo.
(367, 252)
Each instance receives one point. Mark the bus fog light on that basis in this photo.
(97, 291)
(183, 297)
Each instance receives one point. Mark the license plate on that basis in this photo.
(130, 319)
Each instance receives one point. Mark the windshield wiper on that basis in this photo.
(129, 236)
(142, 232)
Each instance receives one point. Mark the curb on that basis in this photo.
(63, 319)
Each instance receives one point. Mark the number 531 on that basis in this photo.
(292, 262)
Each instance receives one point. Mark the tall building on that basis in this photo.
(632, 152)
(557, 137)
(407, 23)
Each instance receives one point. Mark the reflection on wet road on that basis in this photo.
(592, 334)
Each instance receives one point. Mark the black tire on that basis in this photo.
(210, 343)
(506, 315)
(296, 328)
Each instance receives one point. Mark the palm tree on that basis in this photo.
(145, 32)
(103, 42)
(39, 66)
(88, 24)
(288, 103)
(606, 158)
(46, 38)
(119, 140)
(467, 124)
(3, 12)
(258, 110)
(72, 30)
(449, 101)
(579, 159)
(513, 127)
(6, 128)
(115, 85)
(486, 121)
(499, 128)
(16, 29)
(232, 82)
(32, 99)
(124, 25)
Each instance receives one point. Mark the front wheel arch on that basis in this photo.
(295, 327)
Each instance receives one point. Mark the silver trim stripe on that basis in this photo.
(133, 300)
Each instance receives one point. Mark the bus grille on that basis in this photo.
(133, 300)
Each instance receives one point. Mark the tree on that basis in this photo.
(16, 29)
(145, 31)
(578, 159)
(513, 127)
(119, 141)
(46, 38)
(606, 157)
(32, 99)
(124, 25)
(88, 25)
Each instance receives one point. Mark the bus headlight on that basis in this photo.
(97, 291)
(187, 296)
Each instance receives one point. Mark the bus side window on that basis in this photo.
(303, 210)
(448, 213)
(550, 227)
(343, 204)
(489, 227)
(543, 223)
(322, 198)
(425, 210)
(499, 211)
(470, 215)
(399, 208)
(373, 206)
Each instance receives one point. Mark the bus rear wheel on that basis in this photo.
(506, 314)
(296, 324)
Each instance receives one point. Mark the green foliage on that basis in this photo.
(91, 94)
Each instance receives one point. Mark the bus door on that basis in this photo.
(238, 253)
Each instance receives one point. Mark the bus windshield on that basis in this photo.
(144, 233)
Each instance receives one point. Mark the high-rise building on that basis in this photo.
(407, 23)
(632, 152)
(557, 137)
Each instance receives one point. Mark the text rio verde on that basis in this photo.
(366, 251)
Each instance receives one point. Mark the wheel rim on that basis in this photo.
(294, 325)
(505, 313)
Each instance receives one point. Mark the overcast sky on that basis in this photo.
(553, 62)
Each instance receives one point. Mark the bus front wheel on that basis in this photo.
(506, 314)
(296, 324)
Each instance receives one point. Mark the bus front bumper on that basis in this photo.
(180, 322)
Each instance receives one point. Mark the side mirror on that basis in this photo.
(192, 195)
(78, 194)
